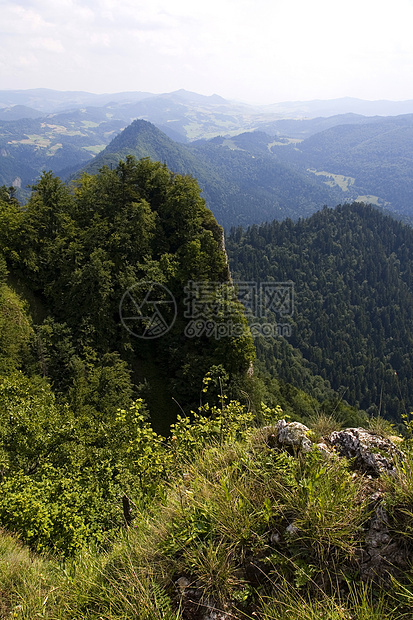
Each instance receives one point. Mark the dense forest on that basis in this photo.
(352, 272)
(74, 254)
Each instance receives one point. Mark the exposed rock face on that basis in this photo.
(373, 454)
(381, 555)
(293, 434)
(197, 606)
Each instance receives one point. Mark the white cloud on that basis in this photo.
(46, 44)
(267, 50)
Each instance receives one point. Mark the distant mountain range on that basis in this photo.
(54, 101)
(240, 185)
(254, 177)
(252, 163)
(343, 105)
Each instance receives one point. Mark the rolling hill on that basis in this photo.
(252, 165)
(239, 187)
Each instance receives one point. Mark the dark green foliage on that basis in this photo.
(79, 250)
(10, 220)
(353, 302)
(16, 330)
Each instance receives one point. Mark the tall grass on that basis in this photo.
(360, 604)
(253, 530)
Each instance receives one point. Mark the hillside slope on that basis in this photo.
(258, 522)
(240, 187)
(377, 155)
(352, 269)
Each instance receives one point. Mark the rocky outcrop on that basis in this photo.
(293, 434)
(382, 555)
(380, 552)
(372, 454)
(196, 605)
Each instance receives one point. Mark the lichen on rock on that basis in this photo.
(293, 434)
(372, 453)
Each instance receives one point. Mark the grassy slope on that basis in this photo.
(217, 536)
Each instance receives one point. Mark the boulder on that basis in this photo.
(293, 434)
(381, 555)
(372, 454)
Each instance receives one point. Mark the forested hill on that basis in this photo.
(377, 155)
(143, 139)
(240, 185)
(352, 269)
(86, 259)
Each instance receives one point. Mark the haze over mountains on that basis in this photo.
(253, 164)
(53, 101)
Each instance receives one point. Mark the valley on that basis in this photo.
(219, 142)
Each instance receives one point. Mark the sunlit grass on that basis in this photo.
(248, 528)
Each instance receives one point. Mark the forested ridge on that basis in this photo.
(242, 185)
(353, 283)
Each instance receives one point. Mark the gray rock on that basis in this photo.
(182, 583)
(275, 538)
(293, 434)
(292, 530)
(372, 453)
(381, 556)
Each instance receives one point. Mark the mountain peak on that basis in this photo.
(188, 96)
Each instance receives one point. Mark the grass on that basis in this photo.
(322, 425)
(359, 604)
(95, 148)
(381, 426)
(372, 200)
(343, 182)
(241, 526)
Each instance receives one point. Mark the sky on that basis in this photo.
(257, 51)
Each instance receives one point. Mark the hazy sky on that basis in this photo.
(259, 51)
